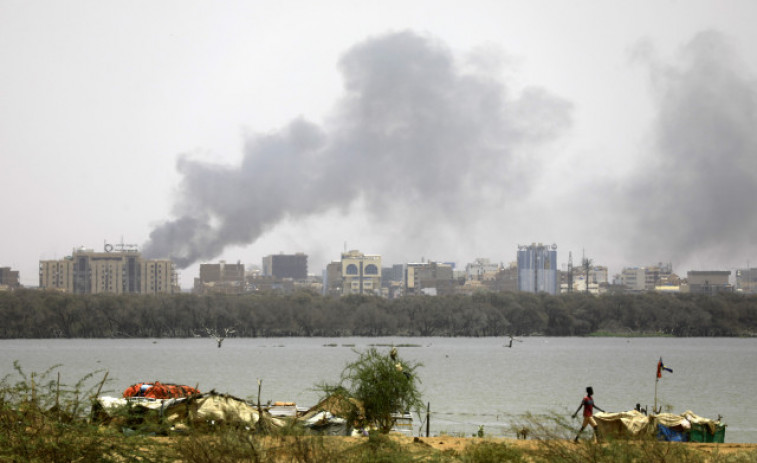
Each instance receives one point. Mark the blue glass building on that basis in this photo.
(537, 268)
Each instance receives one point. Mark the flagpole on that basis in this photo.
(656, 380)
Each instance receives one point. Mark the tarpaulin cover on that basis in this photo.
(635, 423)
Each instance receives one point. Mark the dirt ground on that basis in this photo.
(459, 443)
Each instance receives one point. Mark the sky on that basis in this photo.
(418, 130)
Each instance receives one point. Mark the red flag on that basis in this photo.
(661, 367)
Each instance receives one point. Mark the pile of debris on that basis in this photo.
(160, 407)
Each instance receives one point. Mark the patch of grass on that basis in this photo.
(491, 452)
(42, 420)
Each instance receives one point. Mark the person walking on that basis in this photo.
(588, 404)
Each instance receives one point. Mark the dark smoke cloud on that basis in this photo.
(413, 137)
(695, 197)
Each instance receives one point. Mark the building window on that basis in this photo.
(352, 269)
(371, 269)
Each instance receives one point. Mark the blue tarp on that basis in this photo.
(667, 434)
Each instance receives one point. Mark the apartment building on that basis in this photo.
(115, 270)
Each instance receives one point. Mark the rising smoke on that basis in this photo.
(414, 138)
(693, 200)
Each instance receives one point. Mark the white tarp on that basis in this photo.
(635, 423)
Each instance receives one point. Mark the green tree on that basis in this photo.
(382, 384)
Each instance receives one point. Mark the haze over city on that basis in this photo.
(430, 130)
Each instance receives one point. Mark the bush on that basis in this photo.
(43, 421)
(382, 385)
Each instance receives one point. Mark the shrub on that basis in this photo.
(382, 384)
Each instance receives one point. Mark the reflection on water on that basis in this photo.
(467, 381)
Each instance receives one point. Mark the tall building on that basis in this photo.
(537, 268)
(361, 273)
(432, 278)
(57, 274)
(116, 270)
(220, 278)
(294, 266)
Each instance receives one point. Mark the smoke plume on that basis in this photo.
(694, 198)
(413, 137)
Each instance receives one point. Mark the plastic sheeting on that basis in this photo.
(634, 423)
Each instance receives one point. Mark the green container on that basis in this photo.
(701, 433)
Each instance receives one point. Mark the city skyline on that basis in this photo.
(561, 264)
(204, 132)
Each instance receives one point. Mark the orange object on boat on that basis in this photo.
(158, 390)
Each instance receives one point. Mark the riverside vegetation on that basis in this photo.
(42, 420)
(43, 314)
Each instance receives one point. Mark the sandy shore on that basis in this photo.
(457, 444)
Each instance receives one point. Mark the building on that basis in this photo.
(430, 278)
(9, 279)
(361, 273)
(597, 281)
(332, 279)
(537, 268)
(294, 266)
(709, 282)
(57, 274)
(481, 269)
(633, 278)
(119, 269)
(393, 281)
(746, 280)
(220, 278)
(658, 275)
(637, 279)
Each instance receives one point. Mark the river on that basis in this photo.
(467, 381)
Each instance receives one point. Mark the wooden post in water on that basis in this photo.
(428, 419)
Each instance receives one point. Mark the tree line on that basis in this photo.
(41, 314)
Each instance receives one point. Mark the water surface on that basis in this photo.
(467, 381)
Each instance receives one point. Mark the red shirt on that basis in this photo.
(588, 404)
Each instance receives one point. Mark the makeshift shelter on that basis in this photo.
(209, 409)
(665, 426)
(335, 415)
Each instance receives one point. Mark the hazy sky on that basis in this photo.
(416, 130)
